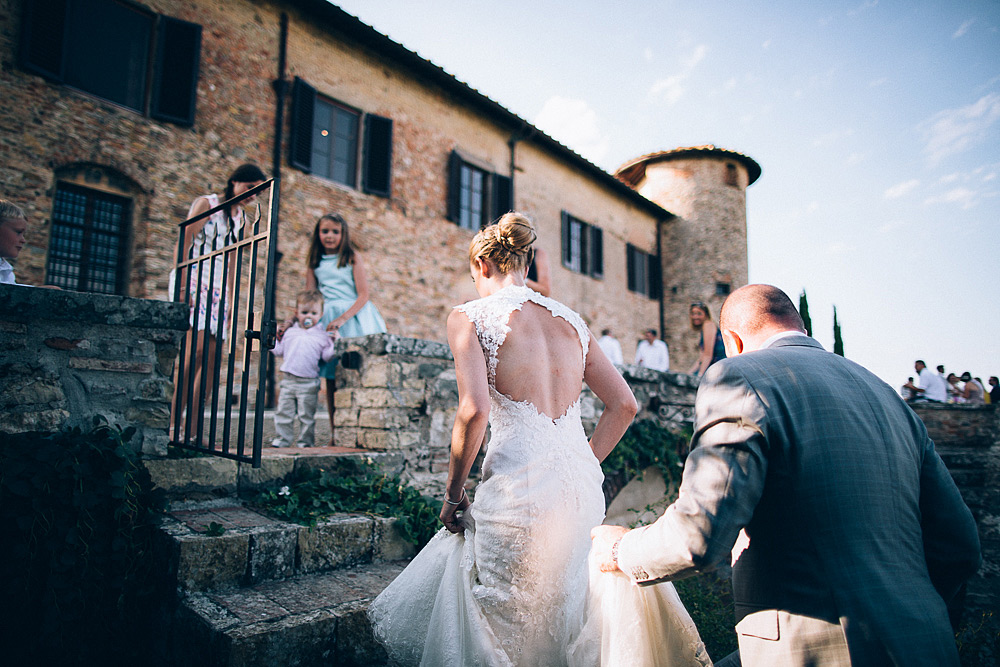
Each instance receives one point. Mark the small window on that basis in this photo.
(643, 271)
(109, 48)
(335, 142)
(582, 246)
(722, 289)
(325, 140)
(476, 195)
(732, 176)
(87, 244)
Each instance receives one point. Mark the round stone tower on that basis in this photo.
(704, 248)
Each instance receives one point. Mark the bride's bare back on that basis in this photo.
(540, 361)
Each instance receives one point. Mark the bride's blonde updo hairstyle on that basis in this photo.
(507, 243)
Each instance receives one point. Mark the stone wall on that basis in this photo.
(68, 356)
(400, 395)
(968, 439)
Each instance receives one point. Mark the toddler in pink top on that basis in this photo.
(302, 347)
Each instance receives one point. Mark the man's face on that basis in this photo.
(918, 366)
(12, 237)
(649, 336)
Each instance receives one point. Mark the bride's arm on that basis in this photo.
(619, 402)
(473, 414)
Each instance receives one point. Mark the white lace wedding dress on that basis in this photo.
(516, 588)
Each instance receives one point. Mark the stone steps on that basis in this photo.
(310, 620)
(247, 589)
(254, 548)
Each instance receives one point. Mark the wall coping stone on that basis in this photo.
(32, 304)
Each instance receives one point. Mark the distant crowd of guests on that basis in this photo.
(939, 387)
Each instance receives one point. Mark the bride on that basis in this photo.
(507, 582)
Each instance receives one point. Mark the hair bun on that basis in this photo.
(515, 232)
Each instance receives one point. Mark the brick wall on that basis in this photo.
(68, 356)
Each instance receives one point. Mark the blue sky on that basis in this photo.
(876, 124)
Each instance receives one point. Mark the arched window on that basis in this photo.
(91, 225)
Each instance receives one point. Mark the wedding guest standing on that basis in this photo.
(710, 346)
(13, 224)
(337, 269)
(652, 352)
(611, 347)
(858, 536)
(206, 290)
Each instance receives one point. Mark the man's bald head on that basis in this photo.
(758, 312)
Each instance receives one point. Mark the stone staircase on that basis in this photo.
(248, 590)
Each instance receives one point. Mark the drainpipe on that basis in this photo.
(525, 132)
(659, 259)
(281, 92)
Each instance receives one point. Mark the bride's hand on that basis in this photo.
(604, 538)
(450, 516)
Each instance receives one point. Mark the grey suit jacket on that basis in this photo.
(852, 516)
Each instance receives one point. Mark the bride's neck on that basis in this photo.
(497, 282)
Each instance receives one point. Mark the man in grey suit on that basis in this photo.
(857, 534)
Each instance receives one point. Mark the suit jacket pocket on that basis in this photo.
(760, 624)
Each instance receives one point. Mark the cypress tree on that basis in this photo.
(838, 342)
(804, 313)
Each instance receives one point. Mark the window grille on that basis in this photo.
(86, 247)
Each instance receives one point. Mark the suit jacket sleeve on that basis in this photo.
(723, 481)
(951, 540)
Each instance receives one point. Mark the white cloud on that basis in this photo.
(573, 123)
(766, 45)
(962, 29)
(901, 189)
(863, 7)
(647, 53)
(855, 159)
(875, 83)
(955, 130)
(963, 196)
(891, 226)
(672, 88)
(833, 137)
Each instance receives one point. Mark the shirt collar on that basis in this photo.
(778, 336)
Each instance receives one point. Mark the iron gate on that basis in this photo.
(230, 322)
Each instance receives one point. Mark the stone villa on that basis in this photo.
(116, 115)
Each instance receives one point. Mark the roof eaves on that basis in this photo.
(362, 33)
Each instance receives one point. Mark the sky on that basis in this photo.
(876, 124)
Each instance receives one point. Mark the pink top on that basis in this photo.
(303, 349)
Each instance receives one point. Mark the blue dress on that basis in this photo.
(339, 294)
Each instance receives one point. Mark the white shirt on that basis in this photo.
(653, 355)
(6, 273)
(935, 389)
(778, 336)
(612, 348)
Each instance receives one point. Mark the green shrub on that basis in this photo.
(364, 489)
(77, 513)
(644, 444)
(979, 639)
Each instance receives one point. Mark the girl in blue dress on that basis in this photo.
(337, 270)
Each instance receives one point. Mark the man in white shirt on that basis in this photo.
(611, 347)
(12, 227)
(652, 352)
(929, 387)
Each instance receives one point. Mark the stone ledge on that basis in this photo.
(30, 304)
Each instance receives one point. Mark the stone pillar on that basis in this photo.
(968, 439)
(68, 356)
